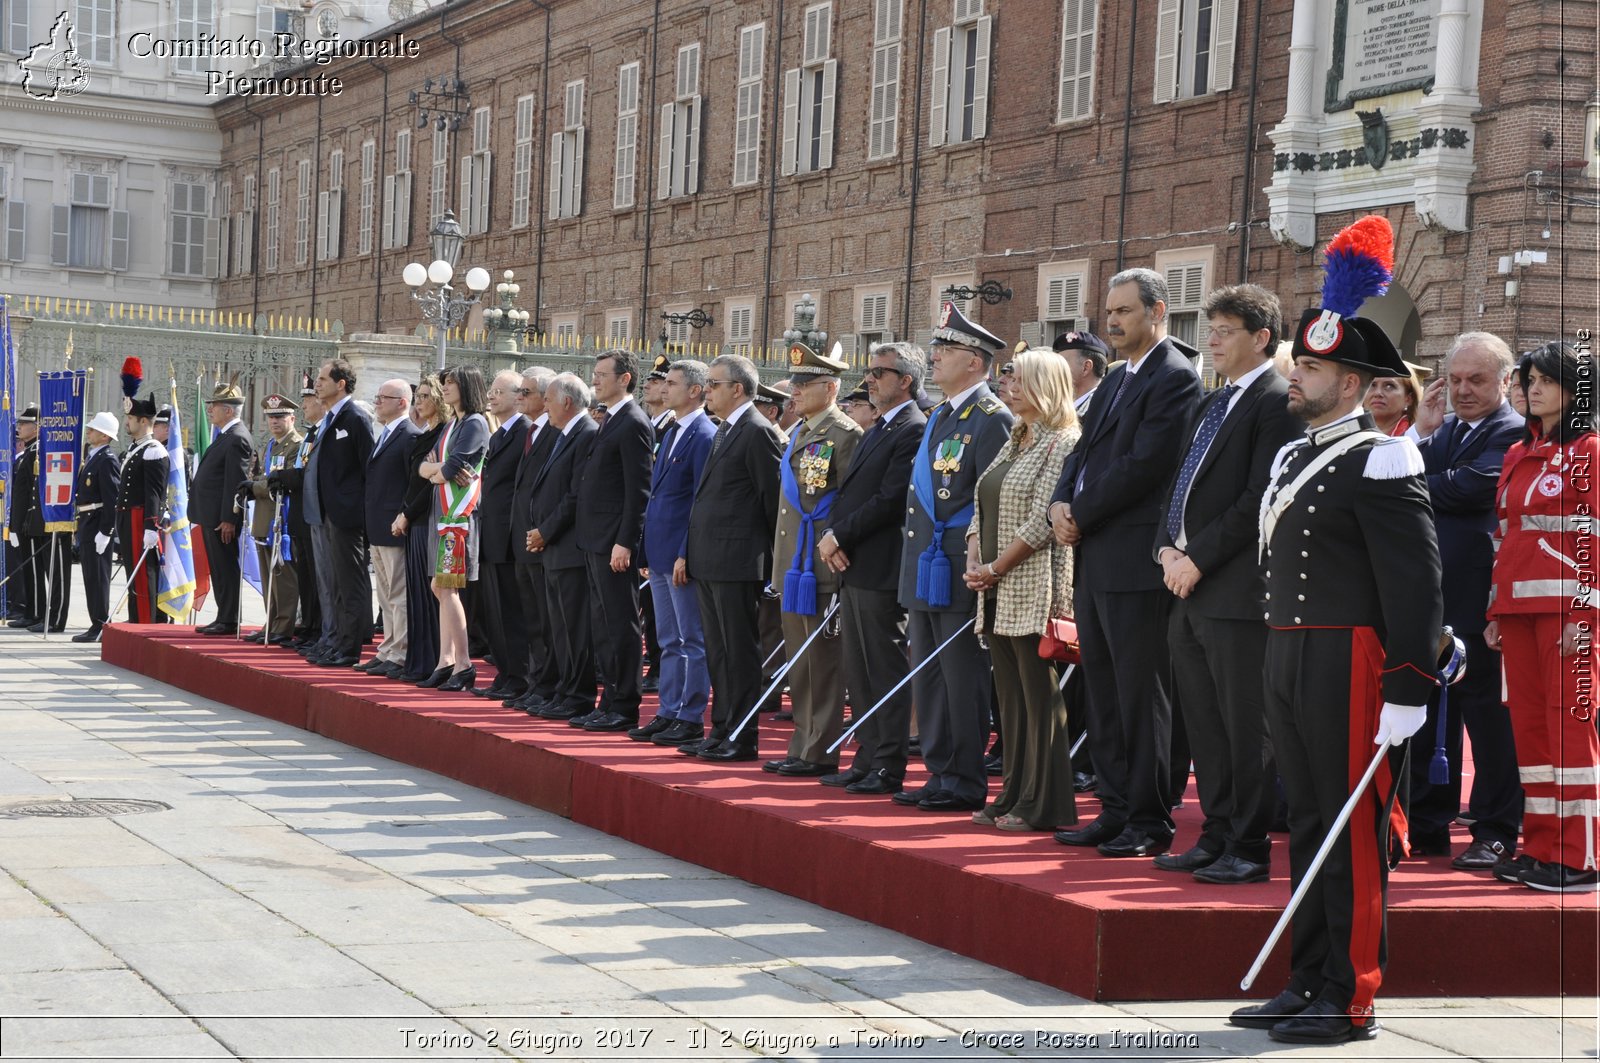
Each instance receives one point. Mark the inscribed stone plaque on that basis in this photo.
(1381, 46)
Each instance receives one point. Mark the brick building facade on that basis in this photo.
(627, 159)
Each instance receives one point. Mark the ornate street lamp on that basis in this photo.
(441, 306)
(506, 322)
(695, 319)
(804, 329)
(992, 292)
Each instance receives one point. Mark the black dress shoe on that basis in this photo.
(527, 701)
(335, 660)
(582, 719)
(91, 635)
(1481, 856)
(1135, 842)
(945, 801)
(693, 747)
(910, 798)
(281, 640)
(36, 628)
(436, 678)
(772, 767)
(1083, 782)
(1265, 1016)
(878, 783)
(680, 733)
(558, 711)
(1189, 861)
(23, 621)
(651, 729)
(1098, 830)
(494, 691)
(371, 666)
(257, 639)
(611, 721)
(1231, 870)
(389, 670)
(994, 764)
(219, 630)
(841, 779)
(1323, 1023)
(728, 752)
(1511, 870)
(462, 680)
(806, 769)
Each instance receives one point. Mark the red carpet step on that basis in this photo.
(1100, 928)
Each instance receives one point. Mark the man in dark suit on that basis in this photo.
(25, 516)
(728, 553)
(554, 513)
(1107, 505)
(289, 481)
(387, 479)
(1462, 453)
(508, 634)
(335, 497)
(685, 682)
(212, 501)
(97, 520)
(952, 692)
(1206, 546)
(528, 565)
(611, 501)
(863, 545)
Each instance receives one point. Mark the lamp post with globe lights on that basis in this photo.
(804, 329)
(507, 322)
(441, 306)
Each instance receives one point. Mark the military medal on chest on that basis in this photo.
(815, 461)
(947, 461)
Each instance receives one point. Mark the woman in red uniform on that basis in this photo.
(1542, 616)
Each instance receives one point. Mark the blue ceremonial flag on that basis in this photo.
(60, 447)
(249, 563)
(176, 594)
(8, 425)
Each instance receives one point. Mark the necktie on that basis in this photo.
(1116, 396)
(938, 419)
(1209, 425)
(722, 434)
(1459, 436)
(667, 442)
(527, 440)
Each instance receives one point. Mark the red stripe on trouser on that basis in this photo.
(140, 599)
(1366, 862)
(1542, 688)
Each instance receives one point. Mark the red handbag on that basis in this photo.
(1059, 641)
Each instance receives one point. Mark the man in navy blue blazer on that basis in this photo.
(1462, 453)
(685, 681)
(336, 503)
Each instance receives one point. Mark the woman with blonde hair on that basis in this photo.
(430, 413)
(454, 468)
(1393, 401)
(1025, 578)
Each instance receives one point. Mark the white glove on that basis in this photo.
(15, 542)
(1396, 723)
(152, 537)
(101, 541)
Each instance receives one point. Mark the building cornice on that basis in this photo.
(134, 111)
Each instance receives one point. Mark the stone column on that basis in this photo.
(380, 356)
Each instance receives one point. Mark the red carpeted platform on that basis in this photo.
(1101, 928)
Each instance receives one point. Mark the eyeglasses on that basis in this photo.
(391, 398)
(718, 383)
(878, 372)
(1227, 331)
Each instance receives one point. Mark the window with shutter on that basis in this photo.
(95, 30)
(619, 326)
(959, 105)
(623, 171)
(1186, 292)
(302, 214)
(522, 164)
(16, 230)
(872, 315)
(438, 194)
(80, 230)
(884, 107)
(1079, 21)
(189, 212)
(809, 98)
(566, 156)
(740, 318)
(565, 327)
(14, 28)
(1194, 47)
(747, 117)
(244, 233)
(369, 195)
(274, 202)
(195, 21)
(397, 195)
(939, 289)
(679, 167)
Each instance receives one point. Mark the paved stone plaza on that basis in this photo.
(305, 899)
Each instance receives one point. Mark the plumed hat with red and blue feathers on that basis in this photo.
(1358, 265)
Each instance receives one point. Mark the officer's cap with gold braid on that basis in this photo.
(658, 371)
(806, 365)
(955, 329)
(1359, 265)
(277, 405)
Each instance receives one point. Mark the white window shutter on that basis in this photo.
(830, 82)
(402, 214)
(791, 120)
(322, 226)
(213, 248)
(389, 207)
(60, 234)
(556, 144)
(121, 224)
(19, 37)
(1167, 17)
(1225, 26)
(464, 196)
(939, 104)
(577, 174)
(980, 79)
(335, 222)
(483, 171)
(967, 10)
(16, 230)
(1078, 25)
(1031, 333)
(691, 183)
(664, 154)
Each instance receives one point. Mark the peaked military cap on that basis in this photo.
(766, 393)
(277, 405)
(806, 365)
(227, 393)
(1082, 341)
(29, 415)
(954, 328)
(658, 371)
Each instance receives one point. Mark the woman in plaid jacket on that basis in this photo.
(1025, 578)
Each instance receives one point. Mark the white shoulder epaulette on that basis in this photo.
(1283, 455)
(154, 451)
(1393, 458)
